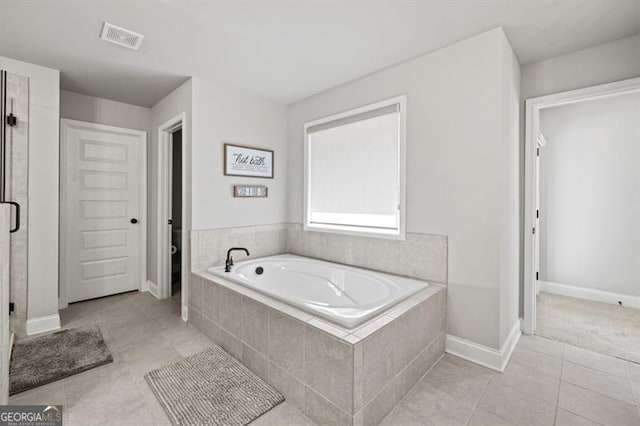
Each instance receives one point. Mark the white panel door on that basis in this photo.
(102, 177)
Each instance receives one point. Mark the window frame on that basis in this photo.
(363, 231)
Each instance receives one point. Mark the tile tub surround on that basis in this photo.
(331, 374)
(209, 247)
(421, 256)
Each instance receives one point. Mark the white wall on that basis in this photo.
(618, 60)
(510, 231)
(81, 107)
(223, 114)
(461, 169)
(44, 120)
(177, 102)
(589, 193)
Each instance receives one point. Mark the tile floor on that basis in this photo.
(143, 333)
(545, 383)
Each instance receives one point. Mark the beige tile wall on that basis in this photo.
(354, 379)
(5, 217)
(17, 190)
(209, 247)
(421, 256)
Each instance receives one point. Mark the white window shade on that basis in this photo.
(353, 171)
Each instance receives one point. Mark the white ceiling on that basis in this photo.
(283, 50)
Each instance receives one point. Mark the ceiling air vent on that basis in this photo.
(121, 36)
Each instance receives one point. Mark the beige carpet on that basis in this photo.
(600, 327)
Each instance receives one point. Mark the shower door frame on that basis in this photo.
(532, 129)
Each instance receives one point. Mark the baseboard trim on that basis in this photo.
(185, 313)
(483, 355)
(590, 294)
(43, 324)
(153, 289)
(11, 339)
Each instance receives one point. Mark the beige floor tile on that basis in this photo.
(542, 345)
(461, 379)
(598, 381)
(437, 407)
(598, 408)
(482, 417)
(597, 361)
(193, 346)
(147, 356)
(526, 385)
(537, 362)
(153, 405)
(284, 414)
(128, 335)
(160, 310)
(110, 398)
(565, 418)
(112, 411)
(94, 383)
(634, 372)
(634, 375)
(50, 394)
(505, 402)
(122, 318)
(402, 417)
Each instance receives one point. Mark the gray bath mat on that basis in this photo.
(41, 360)
(211, 388)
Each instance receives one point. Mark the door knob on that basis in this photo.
(134, 220)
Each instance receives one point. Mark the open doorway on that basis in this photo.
(582, 252)
(175, 203)
(172, 216)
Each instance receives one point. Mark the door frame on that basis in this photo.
(63, 282)
(532, 129)
(165, 131)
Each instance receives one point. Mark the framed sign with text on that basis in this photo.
(247, 161)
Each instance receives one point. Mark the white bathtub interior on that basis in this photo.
(344, 295)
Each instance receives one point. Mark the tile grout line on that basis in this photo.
(477, 404)
(415, 386)
(635, 397)
(557, 407)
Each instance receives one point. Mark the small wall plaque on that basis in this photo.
(247, 161)
(250, 191)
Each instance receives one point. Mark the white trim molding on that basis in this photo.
(43, 324)
(627, 300)
(483, 355)
(185, 312)
(152, 288)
